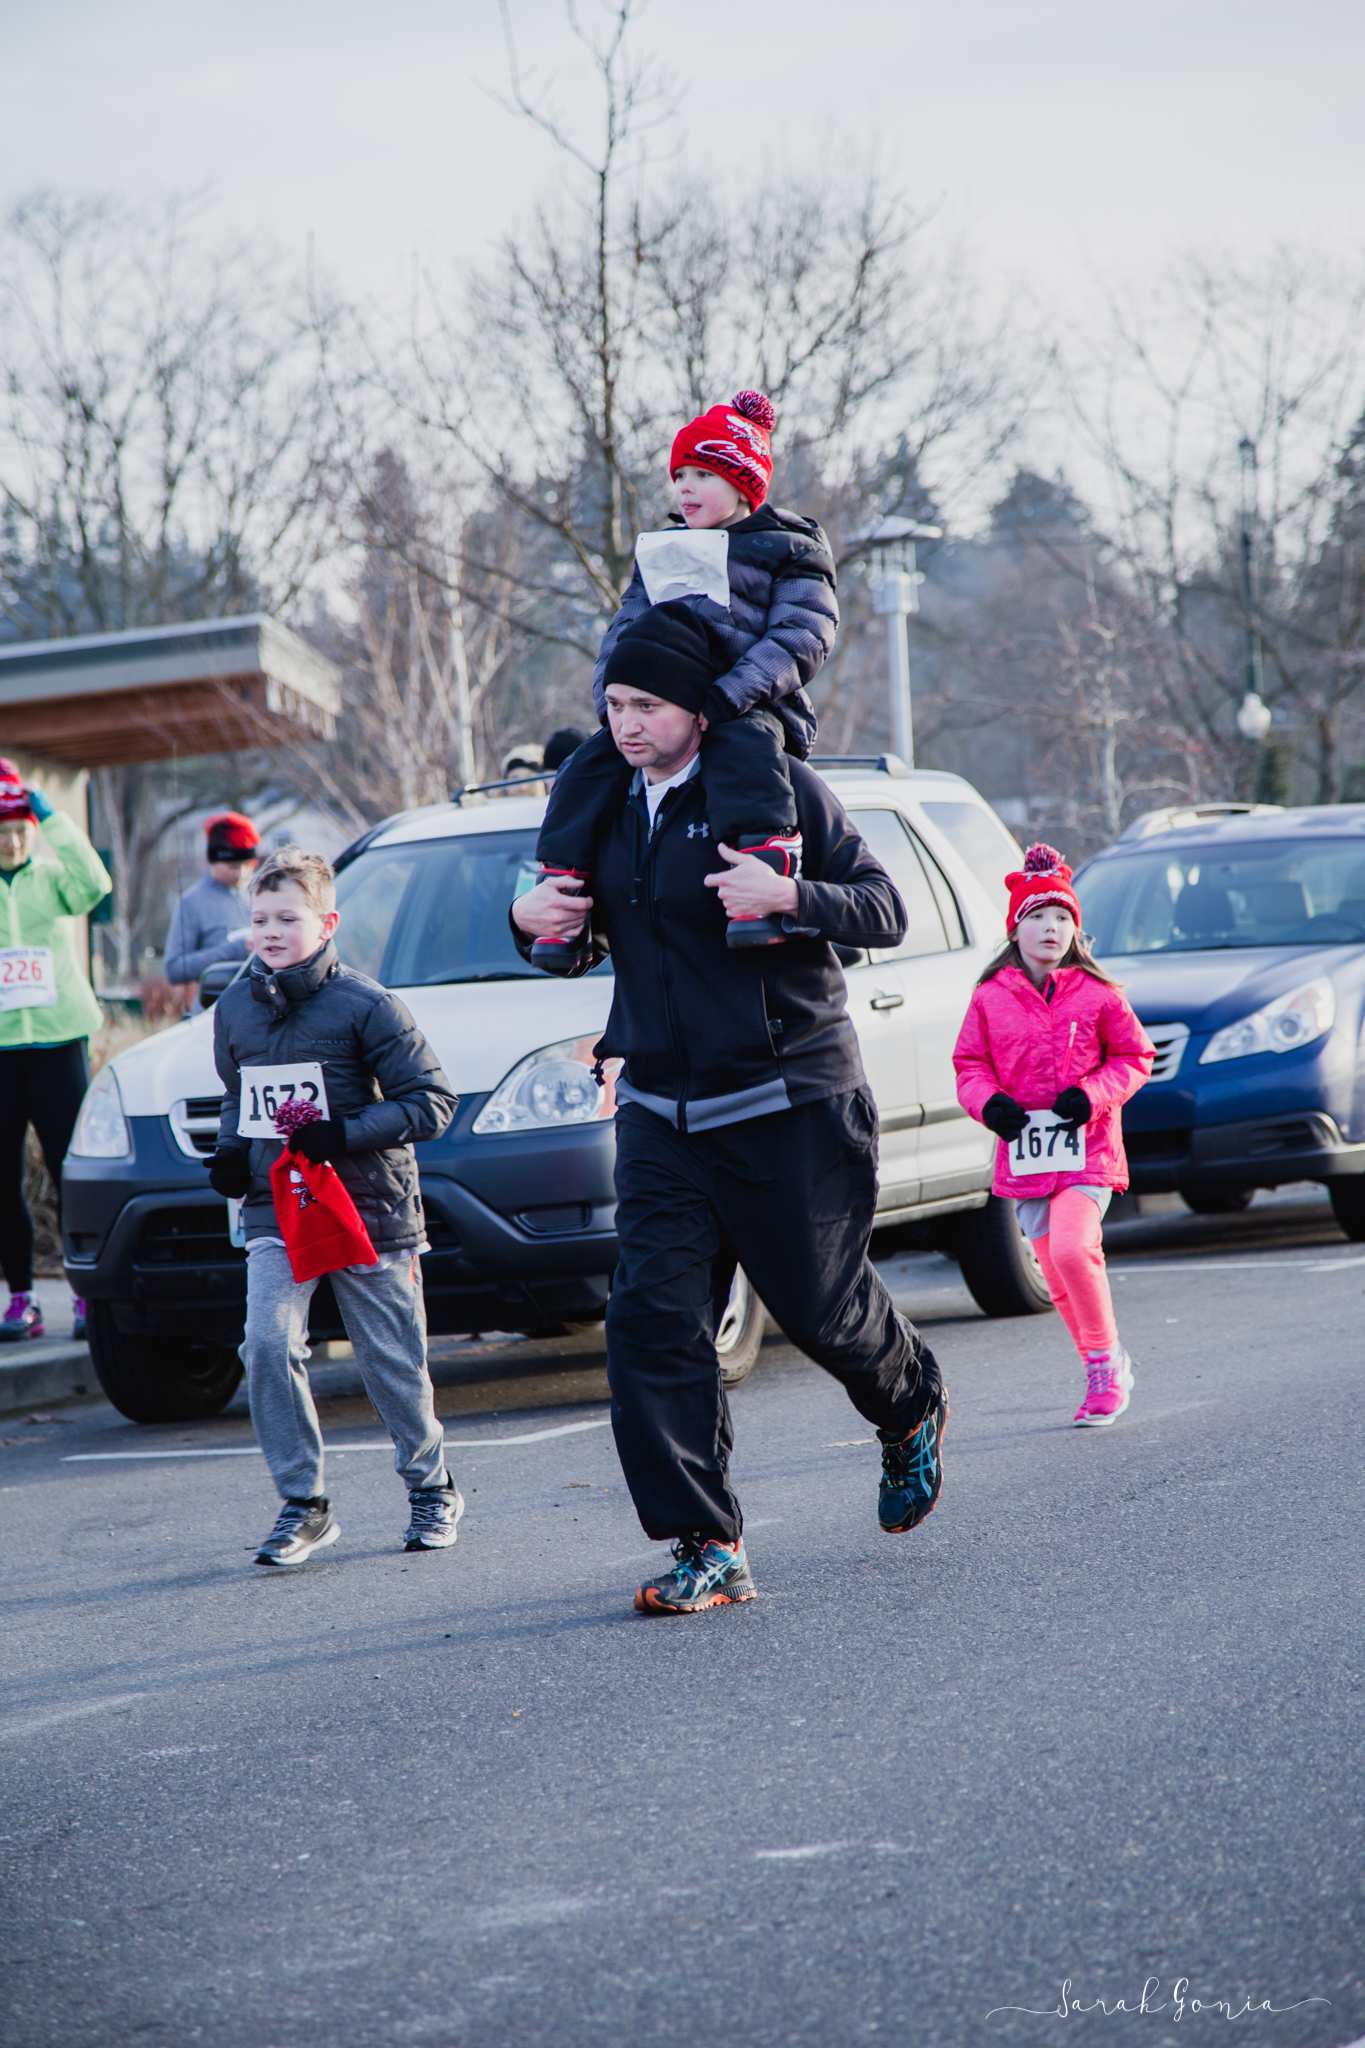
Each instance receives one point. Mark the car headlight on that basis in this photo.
(1282, 1026)
(549, 1088)
(101, 1128)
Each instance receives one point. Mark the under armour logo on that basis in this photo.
(699, 831)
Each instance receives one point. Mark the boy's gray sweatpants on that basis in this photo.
(386, 1321)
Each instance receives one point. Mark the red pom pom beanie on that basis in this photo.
(14, 801)
(733, 441)
(1044, 878)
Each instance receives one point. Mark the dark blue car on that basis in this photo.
(1239, 937)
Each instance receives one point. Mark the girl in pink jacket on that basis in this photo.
(1048, 1054)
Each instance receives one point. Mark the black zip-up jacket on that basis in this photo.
(711, 1036)
(383, 1080)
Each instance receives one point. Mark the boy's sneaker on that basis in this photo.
(707, 1573)
(77, 1318)
(1108, 1389)
(912, 1472)
(782, 853)
(23, 1318)
(435, 1511)
(562, 956)
(303, 1527)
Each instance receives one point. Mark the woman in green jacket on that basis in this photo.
(47, 1012)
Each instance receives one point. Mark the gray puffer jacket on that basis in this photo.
(383, 1080)
(779, 627)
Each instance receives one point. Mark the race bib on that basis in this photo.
(265, 1090)
(27, 978)
(1047, 1145)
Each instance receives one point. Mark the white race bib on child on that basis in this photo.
(28, 979)
(1047, 1145)
(683, 563)
(265, 1090)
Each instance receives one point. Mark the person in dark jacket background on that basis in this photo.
(210, 921)
(772, 633)
(746, 1133)
(382, 1090)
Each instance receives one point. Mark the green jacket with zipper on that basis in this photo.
(37, 905)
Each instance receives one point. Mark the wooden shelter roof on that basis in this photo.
(210, 687)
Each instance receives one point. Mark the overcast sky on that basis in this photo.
(1053, 130)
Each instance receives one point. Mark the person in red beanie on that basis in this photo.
(1049, 1052)
(762, 582)
(210, 921)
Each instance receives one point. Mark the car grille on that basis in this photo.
(1170, 1041)
(194, 1124)
(185, 1237)
(1157, 1144)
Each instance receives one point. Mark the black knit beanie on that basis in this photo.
(668, 652)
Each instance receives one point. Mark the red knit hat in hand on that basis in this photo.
(732, 441)
(1044, 878)
(14, 801)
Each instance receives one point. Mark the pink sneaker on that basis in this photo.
(1108, 1388)
(23, 1318)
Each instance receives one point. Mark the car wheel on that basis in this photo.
(998, 1263)
(1348, 1204)
(739, 1337)
(160, 1379)
(1217, 1201)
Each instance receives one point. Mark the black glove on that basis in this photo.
(230, 1172)
(1072, 1106)
(716, 707)
(1003, 1115)
(325, 1138)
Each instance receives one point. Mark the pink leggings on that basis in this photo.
(1072, 1259)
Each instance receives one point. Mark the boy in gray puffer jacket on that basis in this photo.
(767, 598)
(299, 1027)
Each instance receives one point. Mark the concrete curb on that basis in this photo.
(45, 1371)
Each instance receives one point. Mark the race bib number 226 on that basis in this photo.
(1046, 1145)
(27, 980)
(265, 1090)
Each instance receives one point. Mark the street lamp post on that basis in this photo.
(1254, 716)
(895, 594)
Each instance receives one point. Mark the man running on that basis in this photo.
(746, 1132)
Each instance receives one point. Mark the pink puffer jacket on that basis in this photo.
(1032, 1044)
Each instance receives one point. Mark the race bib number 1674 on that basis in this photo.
(1047, 1145)
(265, 1090)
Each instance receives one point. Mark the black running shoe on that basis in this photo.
(707, 1573)
(303, 1527)
(912, 1472)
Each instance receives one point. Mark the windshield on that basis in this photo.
(983, 841)
(436, 911)
(1278, 893)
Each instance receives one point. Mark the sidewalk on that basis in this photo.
(50, 1368)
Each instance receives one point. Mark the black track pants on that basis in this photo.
(789, 1197)
(744, 766)
(40, 1085)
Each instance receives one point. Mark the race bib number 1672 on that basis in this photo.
(265, 1090)
(1047, 1145)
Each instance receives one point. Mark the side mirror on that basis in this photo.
(217, 976)
(849, 956)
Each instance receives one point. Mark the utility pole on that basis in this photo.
(1254, 716)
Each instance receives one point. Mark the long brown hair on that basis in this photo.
(1078, 954)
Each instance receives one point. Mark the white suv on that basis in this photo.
(518, 1194)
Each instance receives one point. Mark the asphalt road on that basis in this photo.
(1097, 1723)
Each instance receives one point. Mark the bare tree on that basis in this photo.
(166, 453)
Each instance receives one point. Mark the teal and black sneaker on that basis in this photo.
(707, 1573)
(912, 1472)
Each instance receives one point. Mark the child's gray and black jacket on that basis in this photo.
(384, 1083)
(778, 630)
